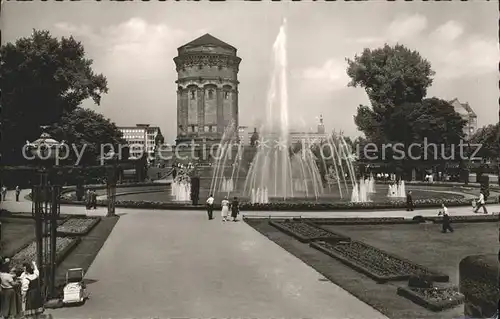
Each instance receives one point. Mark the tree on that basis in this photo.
(42, 77)
(487, 137)
(87, 130)
(391, 77)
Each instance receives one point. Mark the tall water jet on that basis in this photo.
(274, 170)
(397, 190)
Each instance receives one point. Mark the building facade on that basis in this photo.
(310, 137)
(207, 89)
(141, 139)
(466, 112)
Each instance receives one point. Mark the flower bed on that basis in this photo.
(435, 299)
(77, 226)
(291, 206)
(479, 218)
(28, 254)
(303, 231)
(375, 263)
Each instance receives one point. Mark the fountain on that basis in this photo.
(275, 172)
(397, 190)
(181, 191)
(361, 190)
(181, 186)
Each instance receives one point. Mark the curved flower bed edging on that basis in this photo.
(304, 232)
(292, 206)
(375, 263)
(434, 299)
(77, 226)
(361, 221)
(64, 245)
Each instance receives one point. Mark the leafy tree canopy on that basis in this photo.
(41, 78)
(87, 130)
(396, 80)
(488, 137)
(390, 75)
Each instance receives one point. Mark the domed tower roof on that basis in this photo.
(204, 42)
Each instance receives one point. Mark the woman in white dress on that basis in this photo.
(225, 209)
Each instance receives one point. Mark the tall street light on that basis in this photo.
(46, 152)
(111, 160)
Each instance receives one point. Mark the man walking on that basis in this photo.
(409, 202)
(88, 199)
(18, 192)
(481, 203)
(446, 220)
(93, 202)
(210, 207)
(4, 192)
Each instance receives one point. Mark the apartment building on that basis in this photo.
(468, 115)
(141, 139)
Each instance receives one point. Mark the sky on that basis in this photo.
(133, 44)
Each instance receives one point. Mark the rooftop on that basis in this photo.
(207, 39)
(465, 105)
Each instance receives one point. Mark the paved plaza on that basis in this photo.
(177, 264)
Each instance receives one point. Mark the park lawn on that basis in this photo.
(16, 233)
(423, 244)
(426, 245)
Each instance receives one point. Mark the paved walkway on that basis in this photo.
(178, 265)
(25, 206)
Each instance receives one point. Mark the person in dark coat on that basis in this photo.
(446, 220)
(30, 291)
(235, 208)
(18, 192)
(94, 199)
(409, 202)
(88, 199)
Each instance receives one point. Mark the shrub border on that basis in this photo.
(433, 306)
(433, 275)
(303, 207)
(94, 223)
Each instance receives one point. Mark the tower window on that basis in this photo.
(226, 95)
(210, 94)
(193, 95)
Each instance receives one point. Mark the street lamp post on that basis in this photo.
(111, 179)
(45, 151)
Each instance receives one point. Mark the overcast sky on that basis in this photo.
(133, 45)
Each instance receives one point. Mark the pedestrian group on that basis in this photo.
(226, 207)
(20, 292)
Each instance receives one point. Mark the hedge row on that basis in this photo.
(292, 206)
